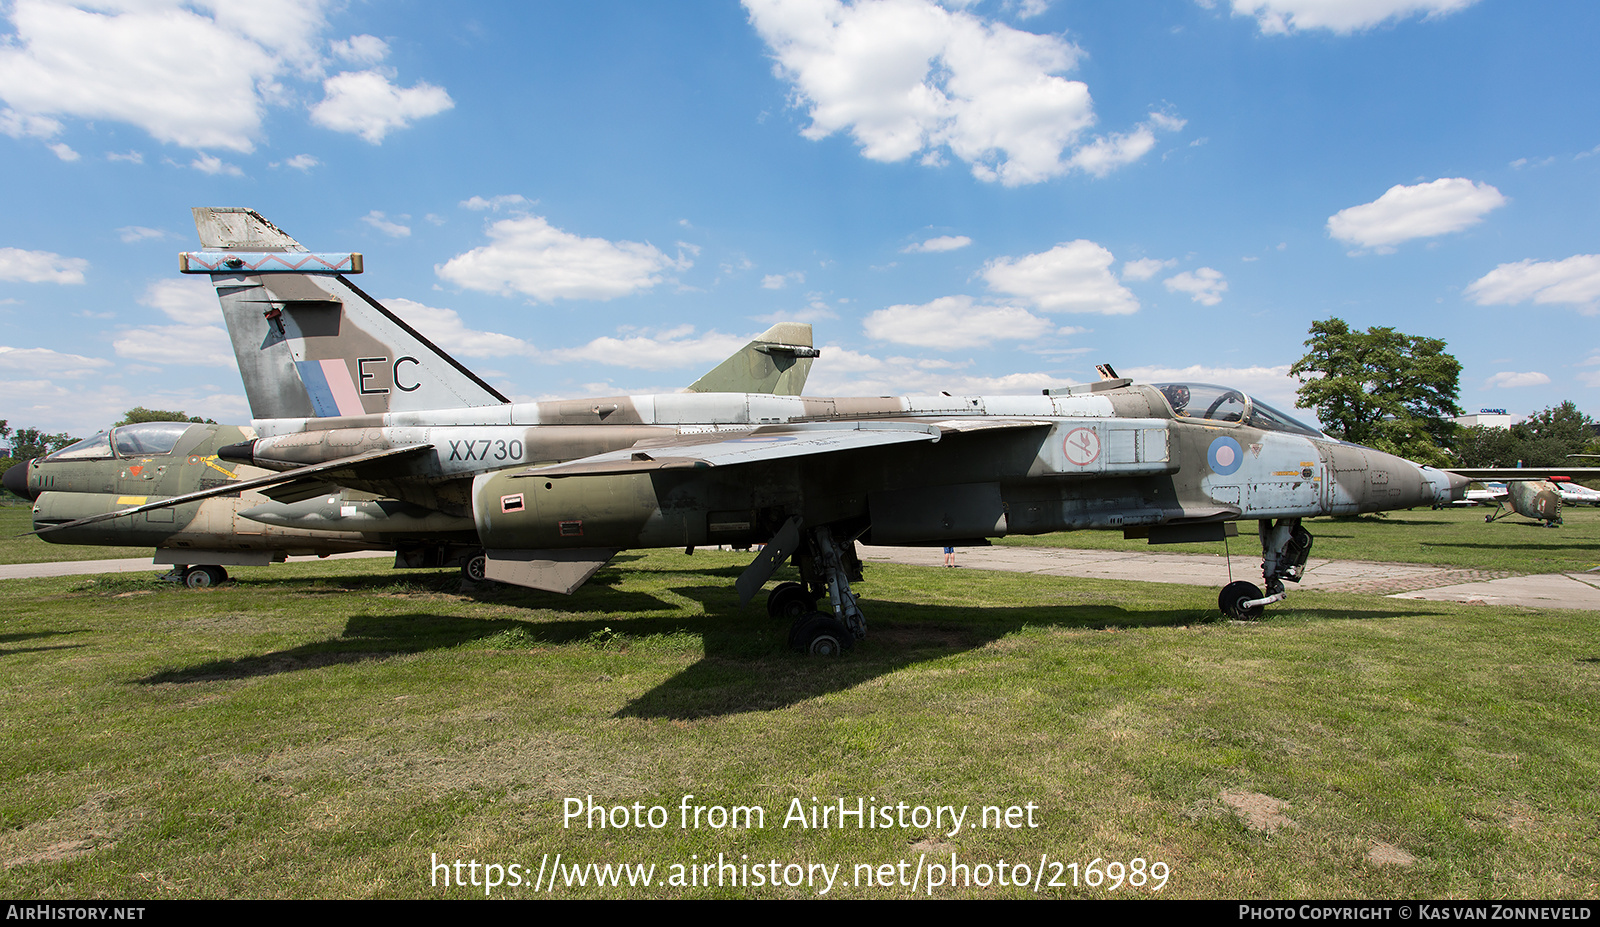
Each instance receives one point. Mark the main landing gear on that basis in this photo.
(826, 568)
(197, 577)
(1285, 547)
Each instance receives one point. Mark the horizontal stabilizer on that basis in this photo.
(268, 262)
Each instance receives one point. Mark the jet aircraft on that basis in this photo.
(133, 464)
(343, 392)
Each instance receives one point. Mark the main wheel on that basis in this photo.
(1232, 598)
(200, 577)
(476, 567)
(821, 636)
(790, 601)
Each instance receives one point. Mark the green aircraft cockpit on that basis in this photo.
(1230, 406)
(145, 439)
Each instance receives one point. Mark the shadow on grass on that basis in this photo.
(747, 664)
(369, 637)
(35, 635)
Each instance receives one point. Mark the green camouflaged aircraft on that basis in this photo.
(151, 462)
(345, 393)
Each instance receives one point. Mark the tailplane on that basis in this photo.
(310, 343)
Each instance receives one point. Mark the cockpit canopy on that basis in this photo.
(1224, 404)
(146, 439)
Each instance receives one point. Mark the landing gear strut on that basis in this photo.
(827, 565)
(1285, 547)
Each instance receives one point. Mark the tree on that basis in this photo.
(1382, 388)
(1482, 446)
(31, 442)
(139, 414)
(1545, 439)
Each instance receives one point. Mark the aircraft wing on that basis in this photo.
(723, 449)
(320, 474)
(1526, 473)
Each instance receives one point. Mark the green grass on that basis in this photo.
(1446, 537)
(322, 730)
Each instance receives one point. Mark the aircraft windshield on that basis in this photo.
(95, 448)
(1221, 404)
(147, 438)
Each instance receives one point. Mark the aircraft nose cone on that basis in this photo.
(16, 480)
(1458, 486)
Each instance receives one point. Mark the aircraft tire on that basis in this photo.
(202, 577)
(1235, 593)
(790, 601)
(821, 636)
(476, 567)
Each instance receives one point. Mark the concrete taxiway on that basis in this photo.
(1397, 580)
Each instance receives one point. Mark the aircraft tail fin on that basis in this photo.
(310, 343)
(777, 362)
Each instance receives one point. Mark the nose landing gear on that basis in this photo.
(1285, 547)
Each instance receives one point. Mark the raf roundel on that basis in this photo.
(1225, 455)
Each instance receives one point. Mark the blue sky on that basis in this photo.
(982, 197)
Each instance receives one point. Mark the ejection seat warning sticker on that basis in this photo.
(1082, 446)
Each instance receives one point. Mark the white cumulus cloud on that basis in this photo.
(776, 281)
(190, 300)
(368, 104)
(478, 203)
(187, 345)
(1574, 281)
(530, 256)
(40, 267)
(667, 350)
(133, 233)
(387, 226)
(361, 49)
(444, 328)
(1422, 210)
(1507, 378)
(1145, 268)
(1205, 286)
(1276, 17)
(211, 164)
(935, 245)
(910, 78)
(841, 371)
(145, 63)
(954, 322)
(1073, 276)
(198, 339)
(43, 361)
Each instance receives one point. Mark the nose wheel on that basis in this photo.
(1285, 548)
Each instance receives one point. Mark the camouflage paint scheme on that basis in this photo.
(122, 467)
(133, 465)
(340, 388)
